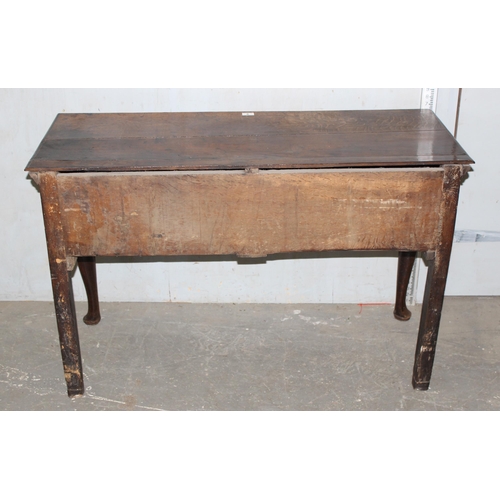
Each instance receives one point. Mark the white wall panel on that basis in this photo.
(475, 266)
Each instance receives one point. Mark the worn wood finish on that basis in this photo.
(193, 124)
(250, 215)
(405, 266)
(436, 280)
(189, 141)
(223, 183)
(61, 285)
(87, 267)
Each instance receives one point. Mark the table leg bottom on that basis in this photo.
(75, 389)
(420, 386)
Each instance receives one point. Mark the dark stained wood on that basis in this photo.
(187, 141)
(87, 267)
(223, 183)
(130, 125)
(436, 280)
(405, 266)
(61, 285)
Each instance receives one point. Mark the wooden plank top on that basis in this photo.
(107, 142)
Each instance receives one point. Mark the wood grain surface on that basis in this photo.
(190, 141)
(249, 214)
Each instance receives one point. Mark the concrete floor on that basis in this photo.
(170, 356)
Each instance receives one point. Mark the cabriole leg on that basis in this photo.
(87, 268)
(405, 265)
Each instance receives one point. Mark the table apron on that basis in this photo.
(249, 214)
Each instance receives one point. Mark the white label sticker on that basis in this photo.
(246, 114)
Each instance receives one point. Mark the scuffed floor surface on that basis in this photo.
(166, 356)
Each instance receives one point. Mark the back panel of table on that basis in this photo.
(249, 214)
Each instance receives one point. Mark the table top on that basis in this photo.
(107, 142)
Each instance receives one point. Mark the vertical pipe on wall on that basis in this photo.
(459, 99)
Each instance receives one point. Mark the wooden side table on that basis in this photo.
(248, 184)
